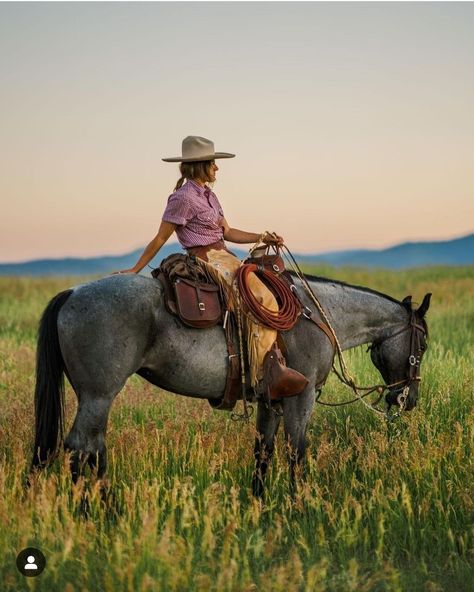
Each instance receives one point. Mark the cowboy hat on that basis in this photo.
(195, 148)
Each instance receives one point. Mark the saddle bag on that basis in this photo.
(189, 293)
(197, 304)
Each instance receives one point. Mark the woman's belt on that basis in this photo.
(202, 250)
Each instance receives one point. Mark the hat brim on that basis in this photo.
(208, 157)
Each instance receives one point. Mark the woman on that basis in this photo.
(195, 214)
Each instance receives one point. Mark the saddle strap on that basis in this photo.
(324, 328)
(232, 386)
(307, 313)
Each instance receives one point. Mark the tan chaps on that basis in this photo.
(259, 338)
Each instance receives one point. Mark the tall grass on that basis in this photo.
(379, 510)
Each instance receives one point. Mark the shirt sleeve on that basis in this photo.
(221, 211)
(178, 210)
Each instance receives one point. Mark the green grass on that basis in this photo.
(379, 510)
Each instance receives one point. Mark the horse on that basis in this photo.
(99, 333)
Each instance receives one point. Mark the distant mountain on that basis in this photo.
(84, 266)
(459, 251)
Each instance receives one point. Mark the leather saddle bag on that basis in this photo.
(188, 292)
(197, 304)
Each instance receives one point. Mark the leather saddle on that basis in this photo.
(194, 298)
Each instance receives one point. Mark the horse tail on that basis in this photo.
(49, 390)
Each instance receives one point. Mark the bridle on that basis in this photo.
(414, 358)
(417, 349)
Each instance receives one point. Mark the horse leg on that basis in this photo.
(267, 426)
(86, 440)
(296, 413)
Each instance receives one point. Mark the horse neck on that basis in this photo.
(358, 315)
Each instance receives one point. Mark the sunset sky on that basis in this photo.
(353, 123)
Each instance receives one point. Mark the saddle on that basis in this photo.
(198, 302)
(194, 297)
(267, 261)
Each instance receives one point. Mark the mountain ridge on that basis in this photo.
(458, 251)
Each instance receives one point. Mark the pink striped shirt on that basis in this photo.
(198, 214)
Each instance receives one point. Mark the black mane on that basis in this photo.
(362, 288)
(407, 305)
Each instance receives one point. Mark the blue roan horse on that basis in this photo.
(102, 332)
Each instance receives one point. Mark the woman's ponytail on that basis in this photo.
(179, 183)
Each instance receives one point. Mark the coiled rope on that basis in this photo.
(289, 307)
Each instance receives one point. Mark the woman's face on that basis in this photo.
(213, 168)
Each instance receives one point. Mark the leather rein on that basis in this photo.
(414, 358)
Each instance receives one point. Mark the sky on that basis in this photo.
(352, 123)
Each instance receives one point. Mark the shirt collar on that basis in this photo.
(202, 190)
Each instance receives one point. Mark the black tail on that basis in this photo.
(49, 391)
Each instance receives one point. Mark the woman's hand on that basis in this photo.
(272, 238)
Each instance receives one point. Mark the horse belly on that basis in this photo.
(188, 361)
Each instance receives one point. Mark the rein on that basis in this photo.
(344, 375)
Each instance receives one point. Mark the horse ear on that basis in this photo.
(424, 306)
(407, 301)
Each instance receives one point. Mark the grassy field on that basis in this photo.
(378, 511)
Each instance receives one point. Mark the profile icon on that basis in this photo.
(30, 562)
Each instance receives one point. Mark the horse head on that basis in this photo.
(397, 356)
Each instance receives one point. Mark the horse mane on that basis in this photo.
(325, 280)
(407, 305)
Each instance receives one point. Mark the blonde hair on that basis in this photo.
(194, 170)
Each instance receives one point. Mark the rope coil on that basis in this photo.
(289, 307)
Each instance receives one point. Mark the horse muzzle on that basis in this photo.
(402, 397)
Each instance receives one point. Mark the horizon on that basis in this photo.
(238, 247)
(352, 122)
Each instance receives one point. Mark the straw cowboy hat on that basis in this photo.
(195, 148)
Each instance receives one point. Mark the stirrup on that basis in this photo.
(279, 380)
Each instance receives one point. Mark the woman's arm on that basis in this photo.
(164, 232)
(241, 236)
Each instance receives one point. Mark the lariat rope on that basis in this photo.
(289, 309)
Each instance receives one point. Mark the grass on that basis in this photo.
(379, 510)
